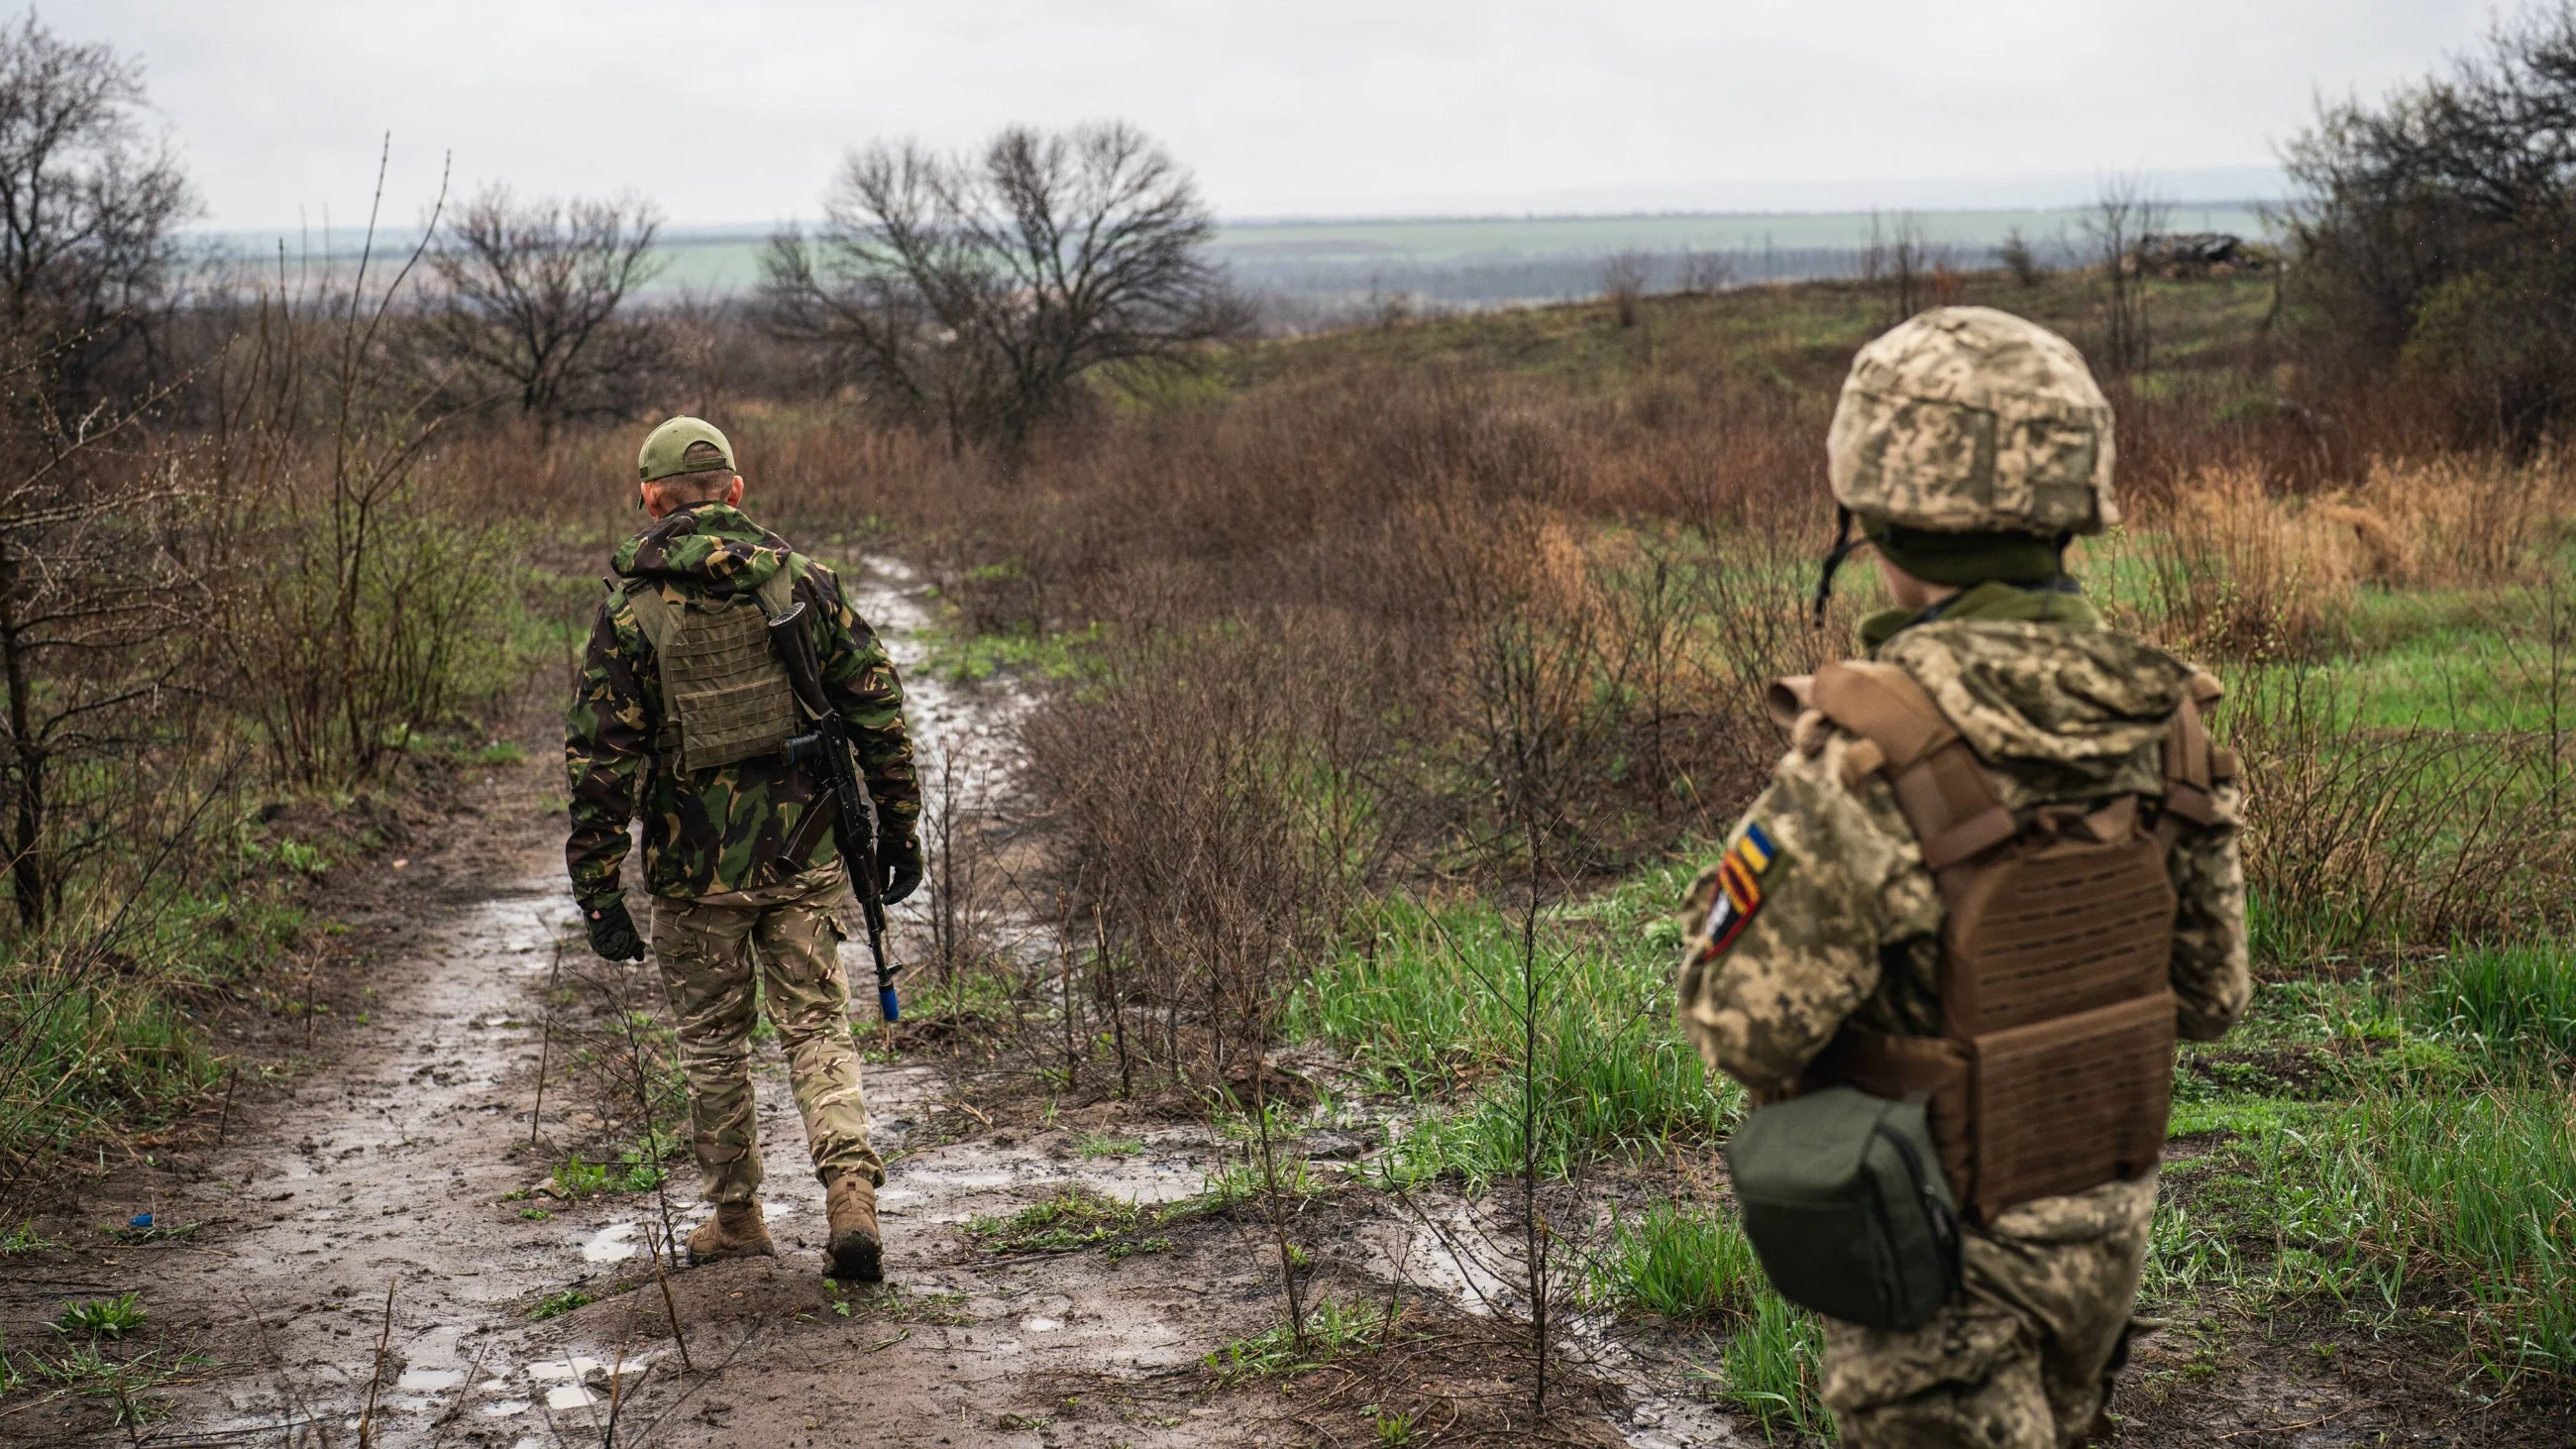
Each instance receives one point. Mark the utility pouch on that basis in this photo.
(1844, 1200)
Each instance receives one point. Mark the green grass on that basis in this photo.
(1334, 1329)
(1425, 1005)
(1076, 1219)
(1092, 1146)
(633, 1171)
(1769, 1371)
(88, 1371)
(1679, 1264)
(24, 1239)
(2513, 996)
(970, 658)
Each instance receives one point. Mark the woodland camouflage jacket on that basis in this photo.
(1847, 921)
(740, 826)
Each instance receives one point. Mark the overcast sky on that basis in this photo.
(737, 111)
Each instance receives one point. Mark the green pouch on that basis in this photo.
(1843, 1197)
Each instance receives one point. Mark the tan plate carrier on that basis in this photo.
(2054, 1072)
(725, 696)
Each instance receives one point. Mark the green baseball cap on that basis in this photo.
(684, 445)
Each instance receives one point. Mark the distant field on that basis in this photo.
(1485, 261)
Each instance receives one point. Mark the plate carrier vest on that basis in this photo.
(2054, 1069)
(725, 695)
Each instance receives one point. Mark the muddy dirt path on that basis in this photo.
(398, 1164)
(382, 1196)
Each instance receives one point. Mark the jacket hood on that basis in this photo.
(710, 546)
(2088, 698)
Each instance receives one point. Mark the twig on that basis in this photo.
(546, 1041)
(223, 1119)
(376, 1378)
(661, 1196)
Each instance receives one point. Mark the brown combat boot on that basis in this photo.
(736, 1231)
(854, 1251)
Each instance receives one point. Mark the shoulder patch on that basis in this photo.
(1739, 888)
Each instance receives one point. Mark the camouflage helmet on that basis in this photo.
(1970, 420)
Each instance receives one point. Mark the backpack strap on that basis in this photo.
(653, 613)
(2194, 764)
(1945, 795)
(777, 593)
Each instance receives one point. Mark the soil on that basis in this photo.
(357, 1243)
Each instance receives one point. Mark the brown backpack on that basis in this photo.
(2054, 1069)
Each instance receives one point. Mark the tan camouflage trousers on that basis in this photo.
(788, 935)
(2016, 1359)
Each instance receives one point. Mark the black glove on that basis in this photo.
(612, 931)
(898, 866)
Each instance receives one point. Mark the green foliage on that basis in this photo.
(1769, 1370)
(633, 1171)
(1421, 1006)
(1678, 1264)
(1333, 1329)
(102, 1317)
(558, 1304)
(24, 1239)
(967, 658)
(1092, 1146)
(1074, 1219)
(2519, 995)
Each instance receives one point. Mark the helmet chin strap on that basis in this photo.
(1844, 543)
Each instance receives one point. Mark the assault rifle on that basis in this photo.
(827, 750)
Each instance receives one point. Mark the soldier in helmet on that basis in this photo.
(685, 709)
(1996, 872)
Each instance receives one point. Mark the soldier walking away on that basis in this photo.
(1993, 878)
(685, 710)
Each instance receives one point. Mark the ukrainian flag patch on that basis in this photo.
(1739, 888)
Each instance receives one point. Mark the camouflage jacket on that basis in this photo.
(1847, 922)
(740, 826)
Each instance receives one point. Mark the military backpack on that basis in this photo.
(725, 695)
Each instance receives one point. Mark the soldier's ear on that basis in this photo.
(733, 492)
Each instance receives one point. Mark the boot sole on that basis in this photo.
(857, 1257)
(699, 1260)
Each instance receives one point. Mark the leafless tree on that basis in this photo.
(1706, 272)
(1623, 284)
(1901, 254)
(89, 203)
(973, 294)
(2125, 214)
(532, 291)
(2019, 259)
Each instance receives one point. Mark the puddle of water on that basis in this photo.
(1040, 1325)
(612, 1244)
(508, 1407)
(569, 1396)
(421, 1380)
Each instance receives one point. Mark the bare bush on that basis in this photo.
(96, 592)
(1703, 273)
(358, 603)
(531, 296)
(2020, 260)
(973, 295)
(1623, 285)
